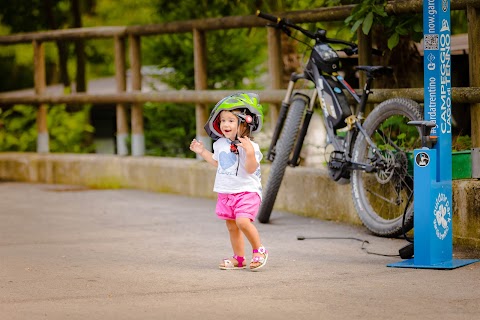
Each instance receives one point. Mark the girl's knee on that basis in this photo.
(242, 223)
(231, 225)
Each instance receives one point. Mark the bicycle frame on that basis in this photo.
(324, 58)
(340, 144)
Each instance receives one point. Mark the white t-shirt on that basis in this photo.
(231, 174)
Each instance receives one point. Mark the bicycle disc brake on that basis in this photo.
(385, 173)
(395, 170)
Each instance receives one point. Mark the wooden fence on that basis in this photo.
(201, 96)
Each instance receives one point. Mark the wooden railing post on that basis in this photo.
(473, 16)
(40, 85)
(200, 65)
(364, 53)
(138, 138)
(275, 67)
(364, 58)
(121, 109)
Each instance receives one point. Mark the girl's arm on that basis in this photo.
(251, 163)
(199, 148)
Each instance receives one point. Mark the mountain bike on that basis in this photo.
(374, 153)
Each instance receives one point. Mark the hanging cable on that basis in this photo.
(403, 219)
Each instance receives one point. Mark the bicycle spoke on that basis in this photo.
(381, 197)
(389, 141)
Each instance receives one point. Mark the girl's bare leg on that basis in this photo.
(236, 239)
(251, 232)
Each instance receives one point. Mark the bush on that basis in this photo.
(169, 129)
(68, 131)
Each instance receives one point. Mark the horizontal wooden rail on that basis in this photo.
(459, 95)
(337, 13)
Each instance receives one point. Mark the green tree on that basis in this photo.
(233, 55)
(168, 128)
(395, 35)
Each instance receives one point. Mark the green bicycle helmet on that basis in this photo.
(252, 113)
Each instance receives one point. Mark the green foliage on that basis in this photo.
(15, 75)
(460, 143)
(233, 55)
(399, 132)
(30, 15)
(120, 13)
(368, 13)
(68, 130)
(17, 129)
(459, 21)
(169, 128)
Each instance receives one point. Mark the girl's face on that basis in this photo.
(229, 124)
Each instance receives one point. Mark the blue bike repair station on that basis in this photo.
(432, 245)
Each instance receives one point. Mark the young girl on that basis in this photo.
(237, 182)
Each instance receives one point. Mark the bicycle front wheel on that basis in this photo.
(381, 198)
(283, 150)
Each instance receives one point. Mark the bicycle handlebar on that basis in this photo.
(319, 35)
(267, 16)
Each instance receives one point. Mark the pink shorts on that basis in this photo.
(238, 205)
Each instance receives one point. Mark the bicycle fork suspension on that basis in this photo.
(281, 120)
(294, 161)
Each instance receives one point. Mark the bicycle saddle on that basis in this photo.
(375, 71)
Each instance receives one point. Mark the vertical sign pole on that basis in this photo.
(438, 109)
(433, 167)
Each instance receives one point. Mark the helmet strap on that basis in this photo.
(234, 149)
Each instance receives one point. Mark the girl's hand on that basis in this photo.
(197, 146)
(251, 163)
(246, 144)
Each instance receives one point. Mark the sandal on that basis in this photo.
(259, 259)
(229, 265)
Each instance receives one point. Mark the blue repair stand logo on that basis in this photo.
(442, 216)
(422, 159)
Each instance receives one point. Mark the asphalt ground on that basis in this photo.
(69, 252)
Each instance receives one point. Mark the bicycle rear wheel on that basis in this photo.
(283, 150)
(381, 198)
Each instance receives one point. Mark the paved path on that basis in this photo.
(73, 253)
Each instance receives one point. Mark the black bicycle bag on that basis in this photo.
(335, 102)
